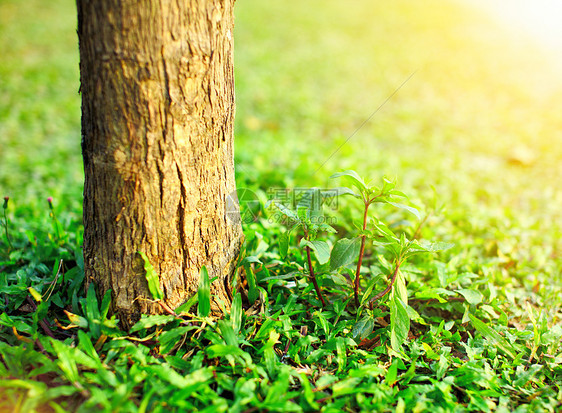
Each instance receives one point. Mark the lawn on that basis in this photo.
(431, 96)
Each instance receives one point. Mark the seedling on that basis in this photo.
(370, 195)
(309, 217)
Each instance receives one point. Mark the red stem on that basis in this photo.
(42, 323)
(387, 289)
(361, 252)
(313, 277)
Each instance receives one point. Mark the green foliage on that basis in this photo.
(471, 321)
(399, 321)
(253, 292)
(345, 252)
(204, 293)
(152, 278)
(309, 216)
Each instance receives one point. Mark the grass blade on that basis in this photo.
(152, 278)
(493, 336)
(204, 293)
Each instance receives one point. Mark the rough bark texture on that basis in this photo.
(157, 115)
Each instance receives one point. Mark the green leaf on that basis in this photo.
(204, 293)
(284, 238)
(185, 307)
(386, 232)
(87, 346)
(527, 375)
(92, 311)
(363, 327)
(152, 278)
(169, 339)
(442, 367)
(345, 252)
(65, 360)
(184, 386)
(308, 393)
(269, 353)
(148, 321)
(399, 322)
(76, 320)
(354, 178)
(58, 392)
(302, 213)
(431, 293)
(415, 316)
(341, 190)
(311, 202)
(473, 297)
(392, 373)
(400, 287)
(429, 352)
(407, 208)
(220, 350)
(396, 192)
(322, 321)
(267, 326)
(369, 291)
(435, 246)
(327, 228)
(105, 304)
(253, 292)
(552, 336)
(286, 211)
(349, 385)
(321, 250)
(68, 358)
(166, 373)
(251, 259)
(493, 336)
(236, 313)
(341, 353)
(228, 333)
(388, 185)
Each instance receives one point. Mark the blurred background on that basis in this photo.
(462, 99)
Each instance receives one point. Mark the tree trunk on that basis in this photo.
(157, 88)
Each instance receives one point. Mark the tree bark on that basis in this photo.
(157, 88)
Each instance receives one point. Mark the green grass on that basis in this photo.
(475, 130)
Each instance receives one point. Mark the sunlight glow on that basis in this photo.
(538, 19)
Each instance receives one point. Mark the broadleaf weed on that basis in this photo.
(309, 217)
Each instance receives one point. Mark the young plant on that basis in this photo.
(369, 195)
(401, 249)
(309, 217)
